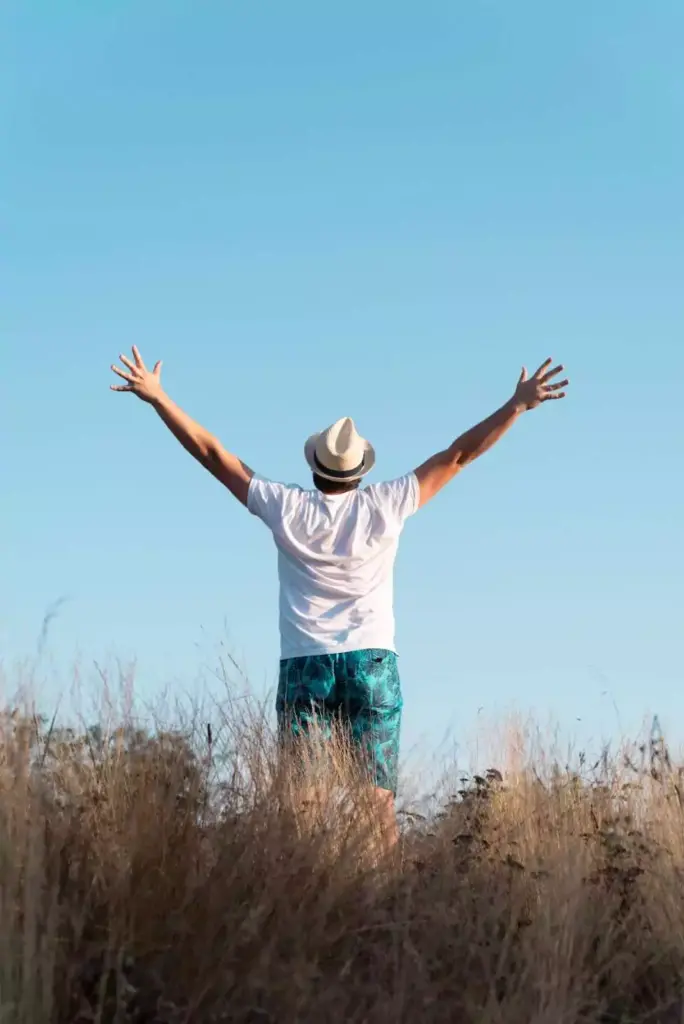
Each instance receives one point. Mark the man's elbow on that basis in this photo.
(456, 458)
(210, 448)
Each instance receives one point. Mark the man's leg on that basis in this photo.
(382, 801)
(304, 727)
(373, 703)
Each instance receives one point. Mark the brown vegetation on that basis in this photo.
(167, 878)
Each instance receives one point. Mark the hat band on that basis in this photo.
(340, 474)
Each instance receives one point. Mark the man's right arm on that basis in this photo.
(439, 470)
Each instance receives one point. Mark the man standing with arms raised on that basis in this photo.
(337, 544)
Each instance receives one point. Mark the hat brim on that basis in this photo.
(310, 456)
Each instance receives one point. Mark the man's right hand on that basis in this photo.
(144, 383)
(534, 390)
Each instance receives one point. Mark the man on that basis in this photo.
(336, 549)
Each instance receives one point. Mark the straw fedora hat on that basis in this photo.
(340, 453)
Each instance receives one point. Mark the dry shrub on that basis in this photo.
(196, 875)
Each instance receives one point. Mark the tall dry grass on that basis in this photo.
(174, 876)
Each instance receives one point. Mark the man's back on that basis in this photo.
(336, 556)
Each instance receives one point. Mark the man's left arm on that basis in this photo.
(438, 471)
(199, 442)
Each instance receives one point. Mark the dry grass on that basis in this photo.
(171, 878)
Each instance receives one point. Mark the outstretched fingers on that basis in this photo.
(122, 373)
(138, 358)
(549, 396)
(557, 387)
(552, 373)
(538, 374)
(122, 387)
(127, 362)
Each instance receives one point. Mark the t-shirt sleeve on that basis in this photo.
(267, 500)
(398, 498)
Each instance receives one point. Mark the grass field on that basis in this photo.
(171, 876)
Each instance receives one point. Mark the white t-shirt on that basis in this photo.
(336, 556)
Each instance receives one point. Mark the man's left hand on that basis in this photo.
(144, 383)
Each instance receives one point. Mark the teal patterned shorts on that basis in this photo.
(360, 689)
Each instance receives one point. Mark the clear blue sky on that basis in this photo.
(312, 210)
